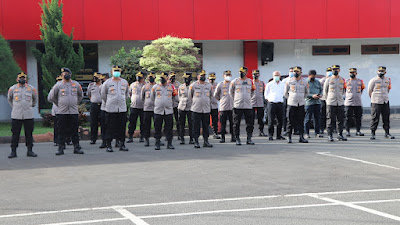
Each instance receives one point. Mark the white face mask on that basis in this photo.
(228, 78)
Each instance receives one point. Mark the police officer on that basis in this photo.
(334, 89)
(103, 120)
(94, 94)
(22, 98)
(200, 94)
(185, 103)
(257, 100)
(137, 105)
(241, 89)
(176, 84)
(115, 92)
(54, 109)
(296, 90)
(284, 81)
(163, 95)
(214, 105)
(352, 103)
(323, 100)
(148, 107)
(378, 90)
(225, 105)
(67, 94)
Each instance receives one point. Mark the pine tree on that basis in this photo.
(8, 67)
(58, 47)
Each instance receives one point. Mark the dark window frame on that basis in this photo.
(364, 50)
(330, 49)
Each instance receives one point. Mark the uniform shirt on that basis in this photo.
(241, 92)
(315, 88)
(163, 97)
(257, 100)
(66, 95)
(334, 89)
(200, 94)
(22, 99)
(214, 101)
(115, 93)
(185, 103)
(296, 91)
(221, 93)
(274, 92)
(54, 109)
(145, 93)
(322, 82)
(176, 85)
(103, 104)
(135, 94)
(94, 92)
(354, 90)
(378, 90)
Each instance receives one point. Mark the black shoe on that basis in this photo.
(359, 133)
(271, 138)
(320, 135)
(103, 145)
(182, 140)
(206, 144)
(93, 142)
(372, 135)
(289, 138)
(30, 153)
(233, 139)
(222, 139)
(348, 134)
(122, 148)
(238, 142)
(330, 138)
(388, 136)
(146, 142)
(158, 142)
(249, 141)
(191, 142)
(60, 150)
(141, 139)
(280, 138)
(196, 143)
(13, 153)
(169, 145)
(109, 149)
(341, 138)
(130, 140)
(262, 134)
(302, 139)
(77, 149)
(216, 136)
(55, 144)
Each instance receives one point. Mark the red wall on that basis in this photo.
(209, 19)
(19, 51)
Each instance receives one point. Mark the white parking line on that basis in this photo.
(361, 208)
(130, 216)
(356, 160)
(87, 221)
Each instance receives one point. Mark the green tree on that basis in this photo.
(8, 67)
(128, 61)
(58, 47)
(171, 54)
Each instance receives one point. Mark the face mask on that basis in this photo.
(276, 78)
(96, 79)
(329, 73)
(163, 80)
(352, 76)
(151, 79)
(116, 74)
(202, 78)
(228, 78)
(67, 76)
(212, 81)
(242, 74)
(335, 73)
(312, 78)
(139, 78)
(256, 77)
(21, 81)
(381, 74)
(187, 81)
(291, 74)
(172, 79)
(296, 75)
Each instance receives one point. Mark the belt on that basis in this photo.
(96, 103)
(276, 102)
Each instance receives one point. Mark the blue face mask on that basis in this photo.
(329, 73)
(116, 74)
(276, 78)
(291, 74)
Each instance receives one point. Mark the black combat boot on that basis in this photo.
(60, 150)
(182, 140)
(330, 137)
(103, 145)
(359, 133)
(341, 137)
(216, 136)
(348, 133)
(262, 134)
(122, 147)
(30, 153)
(302, 139)
(130, 139)
(146, 142)
(387, 135)
(93, 142)
(191, 142)
(77, 149)
(169, 144)
(207, 144)
(238, 142)
(141, 139)
(222, 139)
(233, 138)
(196, 143)
(13, 153)
(289, 137)
(157, 145)
(249, 141)
(109, 147)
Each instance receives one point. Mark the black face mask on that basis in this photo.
(296, 75)
(256, 77)
(202, 78)
(163, 80)
(335, 73)
(96, 79)
(212, 81)
(381, 74)
(242, 74)
(151, 79)
(187, 81)
(172, 79)
(312, 78)
(352, 76)
(139, 78)
(22, 81)
(67, 76)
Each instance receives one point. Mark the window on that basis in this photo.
(379, 49)
(331, 50)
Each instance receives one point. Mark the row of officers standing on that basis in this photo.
(292, 104)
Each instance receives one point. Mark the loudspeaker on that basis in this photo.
(267, 52)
